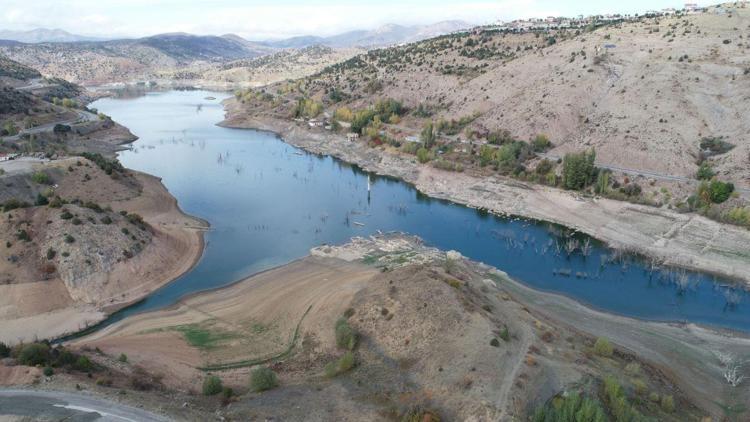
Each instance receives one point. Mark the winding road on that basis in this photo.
(54, 405)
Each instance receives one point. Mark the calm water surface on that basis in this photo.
(269, 203)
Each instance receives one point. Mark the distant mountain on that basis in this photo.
(41, 35)
(385, 35)
(187, 47)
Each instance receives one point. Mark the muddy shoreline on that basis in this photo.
(668, 238)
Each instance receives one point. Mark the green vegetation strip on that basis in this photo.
(259, 361)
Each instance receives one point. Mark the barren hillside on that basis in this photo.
(259, 71)
(643, 93)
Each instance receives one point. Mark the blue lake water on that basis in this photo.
(269, 203)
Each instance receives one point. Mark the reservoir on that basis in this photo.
(268, 203)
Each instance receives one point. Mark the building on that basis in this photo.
(7, 157)
(691, 7)
(352, 136)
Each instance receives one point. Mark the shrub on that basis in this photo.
(423, 155)
(211, 385)
(571, 408)
(541, 143)
(41, 200)
(720, 191)
(48, 371)
(495, 342)
(341, 365)
(262, 379)
(106, 220)
(51, 253)
(4, 350)
(705, 172)
(505, 334)
(603, 347)
(346, 337)
(83, 364)
(23, 235)
(34, 354)
(66, 215)
(41, 178)
(69, 238)
(123, 357)
(667, 403)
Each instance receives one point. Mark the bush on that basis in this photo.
(40, 200)
(123, 358)
(423, 155)
(603, 347)
(571, 408)
(720, 191)
(262, 379)
(41, 178)
(341, 365)
(505, 334)
(51, 253)
(48, 371)
(667, 404)
(495, 342)
(34, 354)
(4, 350)
(346, 337)
(212, 385)
(541, 143)
(84, 364)
(705, 172)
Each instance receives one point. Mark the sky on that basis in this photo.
(264, 19)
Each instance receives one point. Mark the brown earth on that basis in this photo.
(425, 320)
(52, 286)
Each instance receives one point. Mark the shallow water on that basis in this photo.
(269, 203)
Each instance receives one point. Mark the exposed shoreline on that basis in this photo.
(671, 239)
(688, 352)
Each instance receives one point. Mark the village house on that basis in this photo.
(352, 136)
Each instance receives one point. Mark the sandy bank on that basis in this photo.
(685, 240)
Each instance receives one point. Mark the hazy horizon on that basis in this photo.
(261, 20)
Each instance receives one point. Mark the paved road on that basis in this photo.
(81, 116)
(60, 406)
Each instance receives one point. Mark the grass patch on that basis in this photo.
(262, 360)
(202, 337)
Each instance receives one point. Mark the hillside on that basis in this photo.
(94, 63)
(259, 71)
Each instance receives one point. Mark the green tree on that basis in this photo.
(428, 135)
(578, 169)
